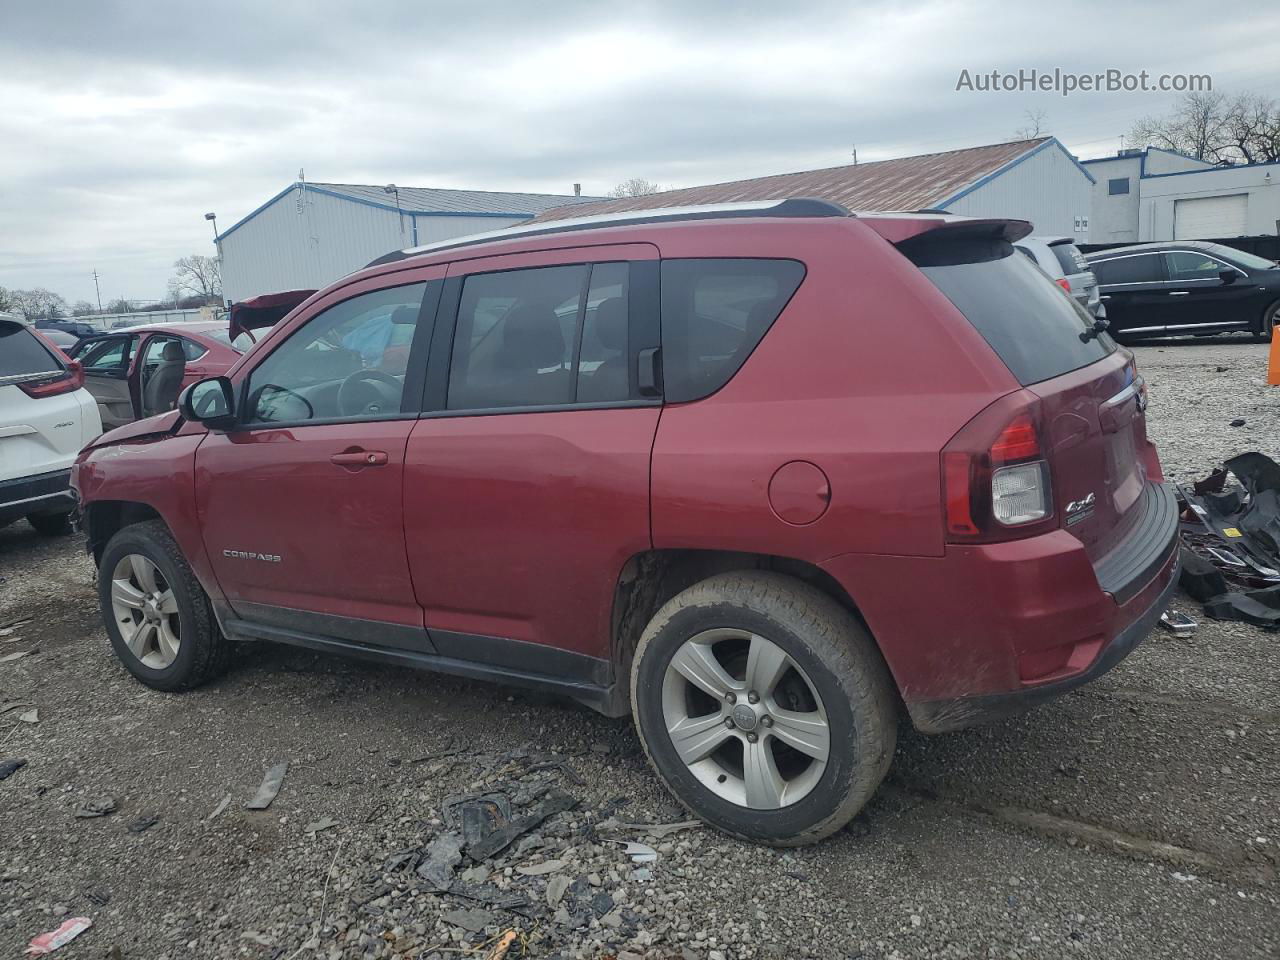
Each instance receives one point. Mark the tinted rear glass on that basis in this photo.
(1027, 319)
(22, 353)
(1140, 269)
(714, 313)
(1070, 258)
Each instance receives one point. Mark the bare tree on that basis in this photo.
(1244, 128)
(37, 304)
(198, 276)
(1034, 127)
(81, 308)
(120, 306)
(635, 187)
(6, 299)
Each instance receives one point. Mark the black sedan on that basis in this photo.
(1186, 287)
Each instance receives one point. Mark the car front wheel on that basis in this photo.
(156, 613)
(1267, 325)
(764, 706)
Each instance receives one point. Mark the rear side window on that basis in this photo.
(1070, 258)
(1140, 269)
(714, 313)
(545, 336)
(22, 353)
(1037, 330)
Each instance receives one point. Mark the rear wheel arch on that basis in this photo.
(649, 579)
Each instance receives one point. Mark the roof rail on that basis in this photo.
(791, 207)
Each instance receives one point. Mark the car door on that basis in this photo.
(1132, 287)
(527, 478)
(106, 363)
(301, 502)
(1199, 298)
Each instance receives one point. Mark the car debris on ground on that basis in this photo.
(64, 934)
(270, 787)
(1230, 529)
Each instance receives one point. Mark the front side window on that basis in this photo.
(109, 356)
(1184, 265)
(1140, 269)
(546, 336)
(714, 313)
(346, 363)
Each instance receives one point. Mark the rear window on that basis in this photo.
(714, 313)
(1070, 258)
(1037, 330)
(22, 353)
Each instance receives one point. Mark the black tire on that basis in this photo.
(843, 666)
(50, 524)
(1267, 324)
(204, 653)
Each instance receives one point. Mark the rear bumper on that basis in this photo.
(43, 493)
(941, 716)
(990, 630)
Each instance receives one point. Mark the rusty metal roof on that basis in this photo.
(908, 183)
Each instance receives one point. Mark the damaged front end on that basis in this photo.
(1229, 524)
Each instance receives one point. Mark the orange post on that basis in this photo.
(1273, 363)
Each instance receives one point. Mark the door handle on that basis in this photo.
(359, 458)
(1179, 293)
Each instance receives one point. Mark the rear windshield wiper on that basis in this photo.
(1099, 325)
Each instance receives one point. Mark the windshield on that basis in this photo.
(1247, 260)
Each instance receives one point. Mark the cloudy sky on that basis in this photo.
(122, 123)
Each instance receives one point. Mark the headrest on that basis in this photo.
(531, 338)
(611, 323)
(172, 351)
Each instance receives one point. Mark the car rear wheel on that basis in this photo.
(50, 524)
(764, 706)
(156, 613)
(1267, 324)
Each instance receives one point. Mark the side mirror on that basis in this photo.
(1228, 276)
(211, 402)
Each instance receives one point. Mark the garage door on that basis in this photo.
(1207, 218)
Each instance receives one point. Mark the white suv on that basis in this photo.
(46, 416)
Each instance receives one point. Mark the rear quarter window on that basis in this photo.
(1035, 328)
(714, 313)
(22, 353)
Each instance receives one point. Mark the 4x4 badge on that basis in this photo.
(1079, 509)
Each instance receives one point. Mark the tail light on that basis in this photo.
(65, 381)
(995, 476)
(1064, 283)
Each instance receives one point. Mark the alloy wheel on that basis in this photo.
(146, 610)
(745, 719)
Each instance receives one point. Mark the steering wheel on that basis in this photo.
(368, 393)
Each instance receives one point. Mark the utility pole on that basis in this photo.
(96, 289)
(855, 154)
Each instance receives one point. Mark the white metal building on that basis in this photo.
(1036, 180)
(1155, 194)
(310, 234)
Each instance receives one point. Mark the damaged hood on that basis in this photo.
(263, 311)
(161, 425)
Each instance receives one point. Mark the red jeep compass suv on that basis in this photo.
(755, 473)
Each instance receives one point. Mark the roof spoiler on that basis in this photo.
(263, 311)
(898, 230)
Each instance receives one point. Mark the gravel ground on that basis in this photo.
(1138, 817)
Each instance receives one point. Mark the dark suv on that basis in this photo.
(757, 474)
